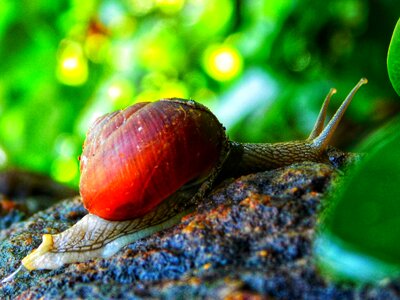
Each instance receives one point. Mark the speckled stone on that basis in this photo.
(251, 238)
(24, 193)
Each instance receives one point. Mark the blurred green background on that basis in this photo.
(262, 66)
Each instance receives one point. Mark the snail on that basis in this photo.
(145, 167)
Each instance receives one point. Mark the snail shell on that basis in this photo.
(135, 158)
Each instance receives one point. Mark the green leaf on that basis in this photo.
(393, 59)
(359, 236)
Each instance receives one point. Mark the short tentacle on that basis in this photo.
(20, 270)
(319, 124)
(323, 139)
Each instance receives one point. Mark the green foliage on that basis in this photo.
(393, 59)
(263, 66)
(359, 235)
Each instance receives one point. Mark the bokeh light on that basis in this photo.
(3, 158)
(66, 63)
(222, 62)
(263, 67)
(170, 6)
(72, 66)
(120, 91)
(65, 169)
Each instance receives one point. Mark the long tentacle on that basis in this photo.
(323, 139)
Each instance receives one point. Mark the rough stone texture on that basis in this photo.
(23, 193)
(250, 238)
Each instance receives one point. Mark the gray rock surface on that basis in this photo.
(250, 238)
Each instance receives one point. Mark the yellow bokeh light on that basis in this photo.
(222, 62)
(72, 66)
(70, 63)
(65, 169)
(174, 89)
(120, 91)
(170, 6)
(114, 92)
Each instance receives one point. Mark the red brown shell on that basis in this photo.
(135, 158)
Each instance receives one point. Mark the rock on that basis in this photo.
(21, 184)
(250, 238)
(22, 193)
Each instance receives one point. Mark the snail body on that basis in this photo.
(145, 167)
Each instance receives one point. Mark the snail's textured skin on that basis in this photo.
(220, 251)
(135, 158)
